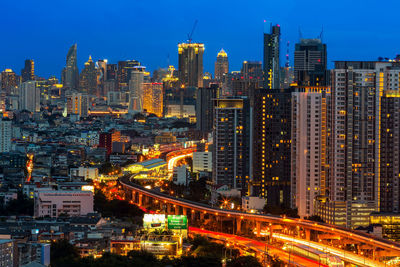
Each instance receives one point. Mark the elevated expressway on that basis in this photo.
(367, 250)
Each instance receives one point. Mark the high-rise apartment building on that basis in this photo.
(29, 96)
(9, 81)
(88, 78)
(191, 64)
(221, 65)
(271, 66)
(310, 59)
(389, 167)
(153, 98)
(5, 135)
(271, 146)
(78, 104)
(70, 74)
(310, 146)
(232, 143)
(353, 191)
(205, 109)
(28, 72)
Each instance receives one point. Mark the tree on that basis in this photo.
(62, 253)
(142, 258)
(244, 261)
(115, 208)
(20, 206)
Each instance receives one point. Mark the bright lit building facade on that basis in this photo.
(191, 64)
(153, 98)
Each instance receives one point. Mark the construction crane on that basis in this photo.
(191, 33)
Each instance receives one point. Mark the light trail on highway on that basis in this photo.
(257, 246)
(172, 162)
(344, 255)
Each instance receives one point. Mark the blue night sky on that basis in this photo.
(149, 31)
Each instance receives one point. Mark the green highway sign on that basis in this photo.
(177, 222)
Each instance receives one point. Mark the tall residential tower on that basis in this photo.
(271, 66)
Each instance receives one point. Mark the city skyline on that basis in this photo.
(114, 34)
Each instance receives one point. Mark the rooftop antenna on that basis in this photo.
(191, 33)
(287, 55)
(300, 34)
(322, 33)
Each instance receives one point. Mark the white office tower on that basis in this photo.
(309, 148)
(29, 97)
(5, 135)
(136, 91)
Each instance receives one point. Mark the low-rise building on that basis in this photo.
(252, 203)
(55, 203)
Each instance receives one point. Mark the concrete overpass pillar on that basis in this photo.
(140, 202)
(184, 211)
(169, 206)
(258, 228)
(238, 225)
(133, 197)
(176, 210)
(192, 215)
(308, 234)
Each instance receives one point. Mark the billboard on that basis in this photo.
(177, 222)
(154, 221)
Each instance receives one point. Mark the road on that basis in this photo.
(259, 247)
(172, 162)
(344, 255)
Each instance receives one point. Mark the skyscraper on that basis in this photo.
(153, 98)
(221, 65)
(389, 184)
(9, 81)
(124, 71)
(309, 150)
(29, 97)
(354, 173)
(136, 90)
(88, 78)
(5, 135)
(271, 146)
(101, 72)
(271, 66)
(232, 143)
(205, 109)
(310, 59)
(191, 64)
(111, 73)
(28, 72)
(70, 73)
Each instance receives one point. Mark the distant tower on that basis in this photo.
(271, 66)
(71, 72)
(9, 81)
(29, 97)
(310, 58)
(221, 65)
(28, 72)
(5, 135)
(191, 64)
(88, 78)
